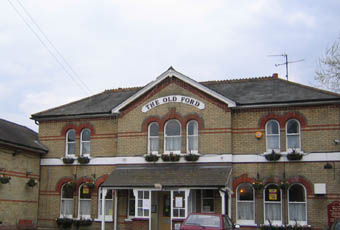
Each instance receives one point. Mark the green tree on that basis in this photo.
(328, 73)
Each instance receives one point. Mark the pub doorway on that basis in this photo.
(160, 210)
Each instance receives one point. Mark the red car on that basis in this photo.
(208, 221)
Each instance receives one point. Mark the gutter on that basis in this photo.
(63, 117)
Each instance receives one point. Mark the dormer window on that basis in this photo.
(172, 136)
(70, 142)
(153, 140)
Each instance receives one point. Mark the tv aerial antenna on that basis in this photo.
(286, 61)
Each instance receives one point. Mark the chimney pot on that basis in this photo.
(275, 75)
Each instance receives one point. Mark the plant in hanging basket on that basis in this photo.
(83, 159)
(32, 182)
(273, 156)
(70, 186)
(68, 160)
(294, 156)
(90, 185)
(170, 157)
(4, 179)
(83, 222)
(257, 185)
(191, 157)
(151, 157)
(64, 222)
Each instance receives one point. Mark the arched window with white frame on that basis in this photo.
(108, 204)
(66, 203)
(272, 205)
(293, 135)
(192, 136)
(173, 138)
(245, 204)
(273, 135)
(153, 137)
(85, 142)
(297, 204)
(84, 204)
(70, 147)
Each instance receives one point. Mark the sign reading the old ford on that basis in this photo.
(173, 98)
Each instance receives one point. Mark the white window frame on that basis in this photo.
(152, 137)
(180, 136)
(82, 141)
(275, 222)
(67, 142)
(79, 200)
(108, 217)
(273, 135)
(293, 134)
(193, 136)
(207, 198)
(146, 203)
(186, 201)
(61, 203)
(129, 200)
(241, 221)
(293, 222)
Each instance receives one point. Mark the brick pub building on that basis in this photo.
(261, 150)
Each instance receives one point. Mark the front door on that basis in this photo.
(164, 210)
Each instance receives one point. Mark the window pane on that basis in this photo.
(192, 128)
(86, 134)
(173, 143)
(108, 207)
(146, 212)
(146, 194)
(297, 212)
(273, 211)
(71, 148)
(245, 192)
(67, 207)
(71, 135)
(85, 207)
(85, 148)
(172, 128)
(193, 143)
(67, 193)
(176, 212)
(292, 126)
(140, 194)
(273, 142)
(293, 141)
(296, 193)
(140, 203)
(245, 211)
(85, 192)
(153, 144)
(182, 212)
(272, 127)
(140, 211)
(272, 193)
(154, 129)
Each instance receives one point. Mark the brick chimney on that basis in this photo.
(275, 75)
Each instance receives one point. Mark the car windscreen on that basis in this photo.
(204, 220)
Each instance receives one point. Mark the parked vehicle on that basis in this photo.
(208, 221)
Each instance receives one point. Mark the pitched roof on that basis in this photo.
(18, 136)
(239, 93)
(169, 175)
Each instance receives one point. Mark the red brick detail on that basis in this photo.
(148, 120)
(67, 127)
(303, 181)
(86, 126)
(101, 180)
(271, 116)
(170, 116)
(194, 116)
(295, 115)
(61, 182)
(82, 180)
(242, 179)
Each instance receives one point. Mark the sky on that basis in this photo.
(79, 48)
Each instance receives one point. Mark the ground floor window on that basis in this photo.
(178, 204)
(207, 200)
(297, 205)
(66, 207)
(245, 204)
(108, 204)
(143, 203)
(272, 204)
(84, 207)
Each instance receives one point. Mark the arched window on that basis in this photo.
(108, 204)
(172, 136)
(70, 142)
(272, 204)
(66, 206)
(85, 142)
(297, 204)
(84, 206)
(192, 137)
(245, 204)
(273, 135)
(293, 135)
(153, 138)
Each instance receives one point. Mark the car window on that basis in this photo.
(203, 220)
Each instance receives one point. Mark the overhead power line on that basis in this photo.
(50, 47)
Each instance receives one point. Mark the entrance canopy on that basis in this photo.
(169, 175)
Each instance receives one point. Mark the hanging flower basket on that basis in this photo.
(151, 157)
(257, 185)
(90, 185)
(5, 179)
(273, 156)
(83, 222)
(70, 186)
(191, 157)
(294, 156)
(83, 160)
(170, 157)
(64, 222)
(68, 160)
(32, 182)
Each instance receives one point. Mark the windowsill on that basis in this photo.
(100, 220)
(140, 218)
(246, 223)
